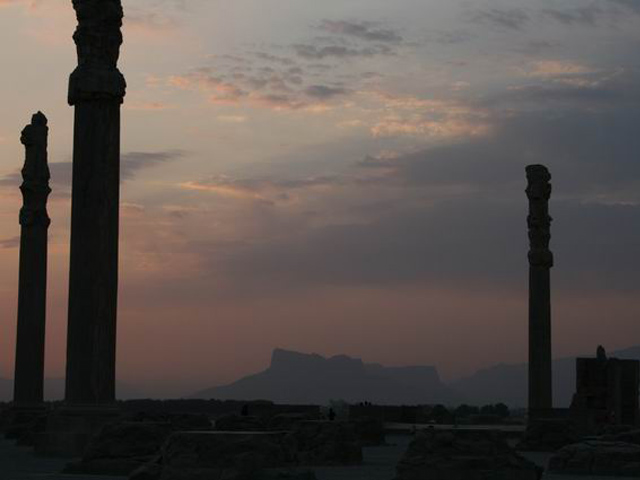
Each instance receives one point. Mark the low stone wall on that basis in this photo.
(463, 455)
(598, 457)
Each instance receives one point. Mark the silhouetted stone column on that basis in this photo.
(540, 263)
(32, 293)
(96, 89)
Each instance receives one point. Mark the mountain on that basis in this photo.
(299, 378)
(508, 383)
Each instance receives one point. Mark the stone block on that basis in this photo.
(463, 455)
(597, 457)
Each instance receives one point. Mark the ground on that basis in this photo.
(19, 463)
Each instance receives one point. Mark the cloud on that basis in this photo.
(507, 18)
(13, 242)
(146, 106)
(232, 118)
(131, 164)
(260, 88)
(428, 118)
(271, 58)
(593, 14)
(268, 191)
(324, 92)
(361, 30)
(555, 68)
(587, 90)
(453, 215)
(149, 22)
(633, 5)
(313, 52)
(31, 4)
(588, 15)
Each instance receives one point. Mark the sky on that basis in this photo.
(341, 177)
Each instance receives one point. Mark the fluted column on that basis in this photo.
(32, 283)
(96, 90)
(540, 263)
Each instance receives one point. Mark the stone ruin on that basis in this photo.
(540, 263)
(606, 391)
(463, 455)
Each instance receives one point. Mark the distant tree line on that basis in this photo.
(468, 413)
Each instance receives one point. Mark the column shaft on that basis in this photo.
(32, 282)
(540, 263)
(96, 90)
(93, 275)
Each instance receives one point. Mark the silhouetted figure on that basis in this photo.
(601, 354)
(245, 411)
(32, 289)
(332, 415)
(540, 263)
(96, 90)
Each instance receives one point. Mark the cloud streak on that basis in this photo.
(132, 163)
(361, 30)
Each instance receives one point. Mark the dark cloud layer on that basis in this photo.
(314, 52)
(13, 242)
(462, 244)
(477, 238)
(588, 15)
(593, 13)
(323, 91)
(361, 30)
(510, 18)
(131, 164)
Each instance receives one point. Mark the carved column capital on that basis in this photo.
(539, 222)
(98, 38)
(35, 173)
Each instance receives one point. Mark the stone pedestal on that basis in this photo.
(32, 288)
(96, 89)
(540, 263)
(24, 422)
(70, 428)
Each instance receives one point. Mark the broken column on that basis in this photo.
(540, 263)
(32, 283)
(96, 90)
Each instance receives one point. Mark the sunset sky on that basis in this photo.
(342, 176)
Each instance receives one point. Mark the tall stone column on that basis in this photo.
(540, 263)
(32, 283)
(96, 90)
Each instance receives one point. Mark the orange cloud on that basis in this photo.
(147, 106)
(263, 190)
(555, 68)
(437, 119)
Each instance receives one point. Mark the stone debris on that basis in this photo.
(464, 455)
(597, 457)
(549, 435)
(327, 443)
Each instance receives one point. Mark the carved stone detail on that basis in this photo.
(540, 263)
(35, 173)
(98, 39)
(539, 221)
(32, 283)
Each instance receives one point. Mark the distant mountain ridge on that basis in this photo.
(294, 377)
(299, 378)
(507, 383)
